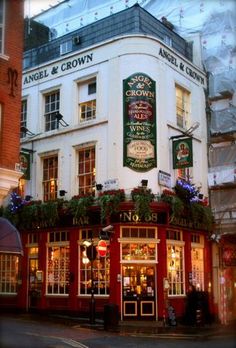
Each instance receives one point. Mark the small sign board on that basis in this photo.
(102, 248)
(182, 153)
(164, 178)
(111, 184)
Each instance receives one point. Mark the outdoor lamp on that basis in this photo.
(144, 182)
(26, 131)
(99, 187)
(62, 193)
(60, 120)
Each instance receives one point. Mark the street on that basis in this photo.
(22, 331)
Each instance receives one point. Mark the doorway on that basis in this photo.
(138, 292)
(34, 283)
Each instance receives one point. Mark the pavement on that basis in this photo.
(141, 328)
(156, 328)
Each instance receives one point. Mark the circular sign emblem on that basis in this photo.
(102, 248)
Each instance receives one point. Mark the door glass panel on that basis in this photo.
(139, 281)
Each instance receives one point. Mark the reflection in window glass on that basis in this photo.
(197, 268)
(58, 270)
(138, 251)
(175, 269)
(101, 274)
(9, 268)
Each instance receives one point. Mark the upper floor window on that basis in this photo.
(167, 39)
(86, 170)
(182, 106)
(23, 121)
(87, 100)
(50, 176)
(65, 47)
(2, 25)
(52, 106)
(184, 174)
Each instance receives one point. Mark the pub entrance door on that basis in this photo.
(138, 292)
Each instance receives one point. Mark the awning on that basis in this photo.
(10, 241)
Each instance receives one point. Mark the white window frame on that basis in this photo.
(65, 47)
(184, 173)
(132, 236)
(87, 101)
(50, 180)
(51, 109)
(197, 259)
(2, 27)
(183, 97)
(9, 271)
(101, 276)
(90, 175)
(174, 285)
(62, 271)
(23, 121)
(87, 110)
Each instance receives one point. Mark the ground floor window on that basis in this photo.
(58, 269)
(138, 244)
(100, 271)
(9, 268)
(197, 268)
(94, 270)
(175, 269)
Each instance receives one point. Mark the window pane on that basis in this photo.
(182, 106)
(86, 170)
(50, 176)
(197, 268)
(175, 269)
(99, 268)
(9, 268)
(58, 270)
(87, 110)
(52, 106)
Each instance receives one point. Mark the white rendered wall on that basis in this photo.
(113, 62)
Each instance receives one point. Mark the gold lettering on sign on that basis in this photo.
(132, 217)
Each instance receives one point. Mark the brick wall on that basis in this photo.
(10, 84)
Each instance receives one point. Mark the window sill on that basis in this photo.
(57, 295)
(95, 295)
(176, 296)
(4, 57)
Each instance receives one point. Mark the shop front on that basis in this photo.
(146, 266)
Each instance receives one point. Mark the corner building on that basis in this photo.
(101, 107)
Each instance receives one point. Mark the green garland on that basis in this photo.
(142, 197)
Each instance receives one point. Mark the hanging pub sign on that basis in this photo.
(182, 153)
(25, 165)
(139, 102)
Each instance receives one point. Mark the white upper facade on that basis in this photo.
(108, 64)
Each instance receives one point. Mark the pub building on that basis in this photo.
(107, 115)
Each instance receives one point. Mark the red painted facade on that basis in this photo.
(77, 304)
